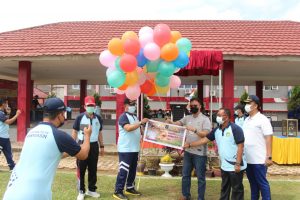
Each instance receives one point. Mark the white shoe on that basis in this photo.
(80, 196)
(93, 194)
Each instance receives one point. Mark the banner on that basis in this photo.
(165, 134)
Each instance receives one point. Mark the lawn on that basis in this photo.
(64, 187)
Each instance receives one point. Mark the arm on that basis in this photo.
(74, 134)
(268, 139)
(132, 127)
(199, 142)
(239, 155)
(13, 119)
(100, 140)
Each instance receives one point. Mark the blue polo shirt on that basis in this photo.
(83, 120)
(227, 141)
(128, 141)
(3, 126)
(42, 150)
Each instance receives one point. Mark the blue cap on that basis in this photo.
(253, 98)
(54, 104)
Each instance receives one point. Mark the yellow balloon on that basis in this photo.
(129, 35)
(115, 46)
(162, 90)
(188, 54)
(131, 78)
(175, 35)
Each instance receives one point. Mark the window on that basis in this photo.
(270, 87)
(188, 86)
(77, 87)
(112, 90)
(235, 87)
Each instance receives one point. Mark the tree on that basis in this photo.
(294, 99)
(244, 97)
(97, 99)
(146, 111)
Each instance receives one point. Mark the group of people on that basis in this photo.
(245, 147)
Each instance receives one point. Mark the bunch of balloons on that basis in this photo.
(145, 63)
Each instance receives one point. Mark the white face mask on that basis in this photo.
(131, 109)
(248, 108)
(219, 120)
(236, 112)
(90, 109)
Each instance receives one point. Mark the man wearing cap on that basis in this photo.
(4, 136)
(42, 150)
(128, 149)
(258, 133)
(240, 117)
(84, 119)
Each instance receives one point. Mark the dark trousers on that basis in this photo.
(6, 149)
(198, 162)
(127, 170)
(91, 164)
(232, 181)
(256, 174)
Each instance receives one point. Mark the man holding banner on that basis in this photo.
(198, 126)
(128, 150)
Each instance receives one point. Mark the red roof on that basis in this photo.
(250, 38)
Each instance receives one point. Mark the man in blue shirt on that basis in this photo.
(230, 141)
(84, 119)
(128, 149)
(4, 136)
(42, 150)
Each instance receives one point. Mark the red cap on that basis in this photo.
(89, 100)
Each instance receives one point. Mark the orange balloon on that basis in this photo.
(169, 52)
(146, 86)
(129, 35)
(123, 87)
(115, 46)
(162, 90)
(152, 91)
(131, 78)
(175, 35)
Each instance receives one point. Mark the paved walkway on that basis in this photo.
(109, 162)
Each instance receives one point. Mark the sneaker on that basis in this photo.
(132, 191)
(80, 196)
(93, 194)
(120, 196)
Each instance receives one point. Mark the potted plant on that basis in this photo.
(166, 162)
(141, 167)
(152, 165)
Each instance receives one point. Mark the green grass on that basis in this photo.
(155, 188)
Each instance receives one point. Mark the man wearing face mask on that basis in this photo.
(83, 120)
(198, 125)
(230, 141)
(240, 117)
(42, 150)
(258, 148)
(128, 150)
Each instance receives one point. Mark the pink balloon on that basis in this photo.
(133, 92)
(146, 39)
(119, 91)
(152, 51)
(161, 34)
(175, 81)
(142, 77)
(107, 59)
(145, 30)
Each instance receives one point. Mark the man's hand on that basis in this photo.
(87, 131)
(190, 128)
(18, 112)
(237, 168)
(102, 151)
(186, 145)
(268, 162)
(144, 121)
(169, 121)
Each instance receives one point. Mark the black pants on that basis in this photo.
(127, 170)
(234, 181)
(91, 164)
(6, 149)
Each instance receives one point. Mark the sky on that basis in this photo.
(17, 14)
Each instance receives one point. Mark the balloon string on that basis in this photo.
(162, 105)
(140, 159)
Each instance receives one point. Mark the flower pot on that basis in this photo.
(141, 167)
(166, 167)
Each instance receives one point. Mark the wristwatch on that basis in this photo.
(270, 157)
(195, 131)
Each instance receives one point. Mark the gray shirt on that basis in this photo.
(201, 123)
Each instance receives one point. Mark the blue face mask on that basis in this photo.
(131, 109)
(90, 109)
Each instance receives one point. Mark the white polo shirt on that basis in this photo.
(255, 129)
